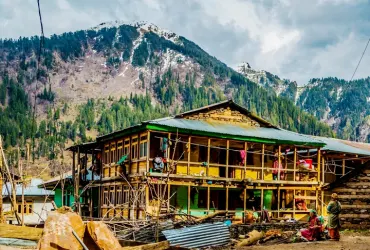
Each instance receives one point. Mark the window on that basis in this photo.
(105, 196)
(106, 154)
(134, 148)
(126, 149)
(28, 207)
(113, 152)
(126, 195)
(111, 196)
(143, 146)
(250, 158)
(119, 195)
(119, 150)
(202, 198)
(67, 198)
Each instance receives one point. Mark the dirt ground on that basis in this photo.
(349, 241)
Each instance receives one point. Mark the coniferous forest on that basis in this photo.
(168, 93)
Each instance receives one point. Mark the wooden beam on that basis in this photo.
(323, 171)
(227, 158)
(188, 208)
(189, 149)
(208, 198)
(245, 203)
(147, 151)
(208, 156)
(263, 162)
(295, 163)
(279, 162)
(245, 160)
(227, 198)
(343, 167)
(77, 201)
(168, 196)
(279, 198)
(318, 164)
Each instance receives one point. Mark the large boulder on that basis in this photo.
(58, 229)
(102, 236)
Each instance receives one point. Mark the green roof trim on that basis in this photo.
(232, 131)
(203, 133)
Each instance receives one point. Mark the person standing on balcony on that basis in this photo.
(334, 208)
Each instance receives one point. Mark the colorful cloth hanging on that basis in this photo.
(243, 156)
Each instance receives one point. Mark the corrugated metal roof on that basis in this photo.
(204, 235)
(30, 190)
(344, 146)
(67, 175)
(239, 130)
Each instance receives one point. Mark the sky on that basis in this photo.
(294, 39)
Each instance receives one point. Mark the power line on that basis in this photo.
(363, 53)
(37, 80)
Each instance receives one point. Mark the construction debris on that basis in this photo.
(18, 232)
(58, 230)
(204, 235)
(163, 245)
(253, 237)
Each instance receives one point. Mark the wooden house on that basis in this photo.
(217, 158)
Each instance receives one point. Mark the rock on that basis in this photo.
(254, 236)
(102, 236)
(58, 228)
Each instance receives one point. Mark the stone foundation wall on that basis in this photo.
(354, 196)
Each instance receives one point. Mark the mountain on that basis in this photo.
(109, 77)
(343, 105)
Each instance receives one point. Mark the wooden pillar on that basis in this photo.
(318, 164)
(263, 162)
(227, 198)
(188, 208)
(293, 203)
(147, 151)
(279, 162)
(91, 202)
(77, 201)
(227, 158)
(343, 167)
(168, 196)
(245, 160)
(1, 188)
(323, 170)
(189, 148)
(322, 202)
(245, 203)
(317, 201)
(279, 198)
(208, 198)
(208, 156)
(74, 177)
(147, 201)
(261, 199)
(294, 163)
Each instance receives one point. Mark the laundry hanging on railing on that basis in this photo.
(158, 163)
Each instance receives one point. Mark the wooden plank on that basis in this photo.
(352, 190)
(354, 196)
(208, 197)
(356, 206)
(245, 160)
(305, 197)
(355, 184)
(360, 216)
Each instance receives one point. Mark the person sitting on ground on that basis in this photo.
(314, 229)
(334, 208)
(300, 204)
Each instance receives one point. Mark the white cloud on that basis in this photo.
(297, 40)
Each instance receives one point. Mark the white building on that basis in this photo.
(35, 207)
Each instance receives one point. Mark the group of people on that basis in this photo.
(315, 228)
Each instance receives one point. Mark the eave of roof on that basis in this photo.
(232, 131)
(344, 146)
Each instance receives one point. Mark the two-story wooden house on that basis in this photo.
(216, 158)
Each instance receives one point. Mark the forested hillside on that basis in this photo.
(343, 105)
(111, 77)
